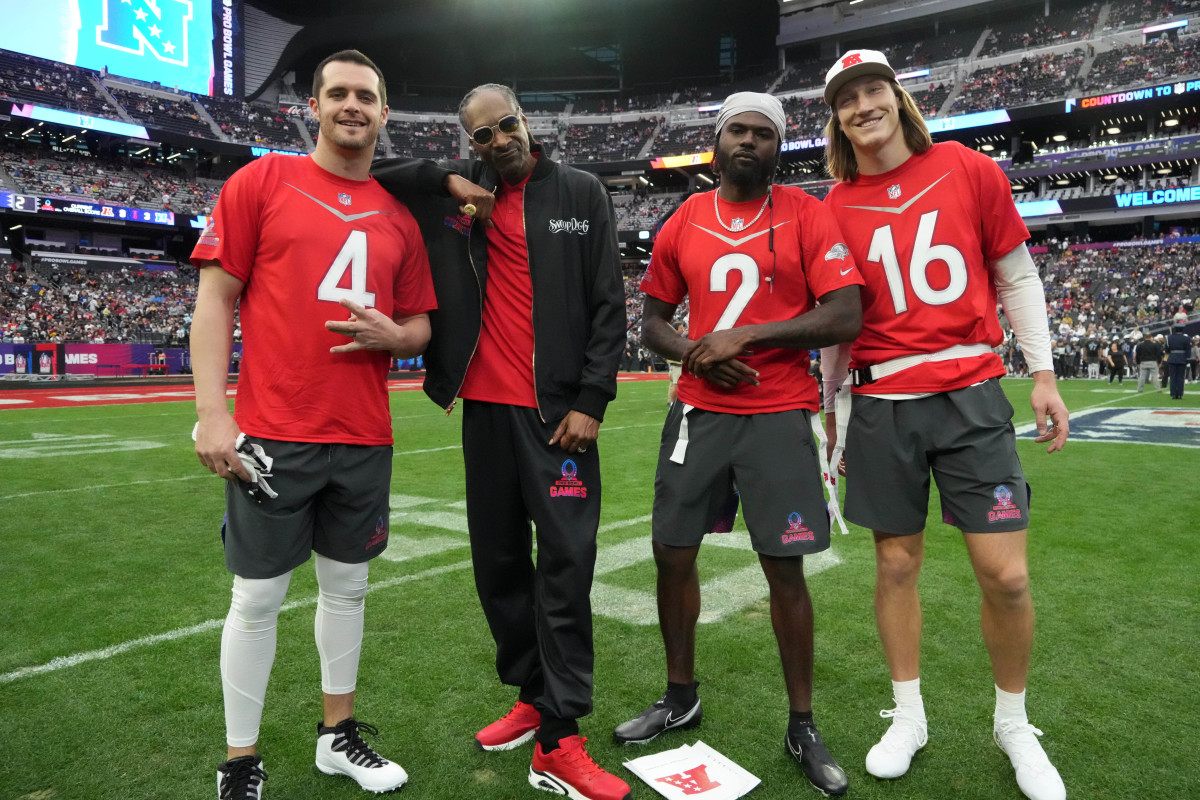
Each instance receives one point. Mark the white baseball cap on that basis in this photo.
(852, 65)
(1181, 318)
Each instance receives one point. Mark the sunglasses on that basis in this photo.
(485, 134)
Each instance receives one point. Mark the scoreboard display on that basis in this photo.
(36, 204)
(190, 45)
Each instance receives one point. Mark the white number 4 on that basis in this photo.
(353, 255)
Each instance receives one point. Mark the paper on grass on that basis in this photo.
(695, 771)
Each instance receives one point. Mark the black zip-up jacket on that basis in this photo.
(574, 266)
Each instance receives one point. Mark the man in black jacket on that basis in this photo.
(529, 332)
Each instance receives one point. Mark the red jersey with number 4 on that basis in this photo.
(925, 236)
(733, 279)
(302, 238)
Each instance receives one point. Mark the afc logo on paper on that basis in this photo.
(135, 25)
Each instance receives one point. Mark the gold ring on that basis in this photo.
(469, 209)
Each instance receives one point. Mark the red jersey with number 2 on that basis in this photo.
(925, 236)
(302, 238)
(732, 278)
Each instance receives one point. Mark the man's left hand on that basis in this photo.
(370, 329)
(576, 433)
(713, 348)
(1047, 404)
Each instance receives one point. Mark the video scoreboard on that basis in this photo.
(191, 45)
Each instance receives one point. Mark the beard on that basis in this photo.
(744, 174)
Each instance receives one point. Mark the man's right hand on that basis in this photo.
(215, 439)
(467, 193)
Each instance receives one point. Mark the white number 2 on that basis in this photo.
(353, 255)
(924, 253)
(718, 281)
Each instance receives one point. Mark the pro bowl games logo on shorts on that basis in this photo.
(380, 535)
(1004, 508)
(796, 532)
(570, 485)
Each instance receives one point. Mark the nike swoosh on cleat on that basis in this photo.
(672, 721)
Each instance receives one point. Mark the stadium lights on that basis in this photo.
(143, 150)
(69, 138)
(1170, 123)
(987, 148)
(1113, 130)
(1059, 137)
(1112, 176)
(1163, 171)
(26, 133)
(1062, 182)
(16, 227)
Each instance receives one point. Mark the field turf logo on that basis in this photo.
(1167, 427)
(569, 485)
(796, 532)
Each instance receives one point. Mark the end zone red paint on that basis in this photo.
(72, 396)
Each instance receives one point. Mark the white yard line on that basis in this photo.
(63, 662)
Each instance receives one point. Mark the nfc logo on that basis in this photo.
(134, 25)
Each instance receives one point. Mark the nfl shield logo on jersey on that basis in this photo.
(738, 224)
(343, 198)
(894, 192)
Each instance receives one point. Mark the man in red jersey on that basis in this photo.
(333, 282)
(754, 260)
(935, 231)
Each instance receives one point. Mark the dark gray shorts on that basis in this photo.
(333, 498)
(771, 459)
(965, 438)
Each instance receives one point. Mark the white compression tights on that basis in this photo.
(248, 640)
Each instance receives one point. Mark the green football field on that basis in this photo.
(115, 590)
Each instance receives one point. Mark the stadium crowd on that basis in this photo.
(88, 306)
(1110, 295)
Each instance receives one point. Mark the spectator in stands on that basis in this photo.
(1117, 361)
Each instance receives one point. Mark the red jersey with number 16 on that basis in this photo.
(732, 278)
(301, 239)
(925, 236)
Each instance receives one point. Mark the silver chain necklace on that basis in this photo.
(739, 224)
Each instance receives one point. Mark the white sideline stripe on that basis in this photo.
(168, 480)
(103, 486)
(62, 662)
(624, 523)
(427, 450)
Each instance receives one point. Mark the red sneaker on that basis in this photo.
(512, 730)
(571, 771)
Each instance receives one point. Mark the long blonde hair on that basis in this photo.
(839, 152)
